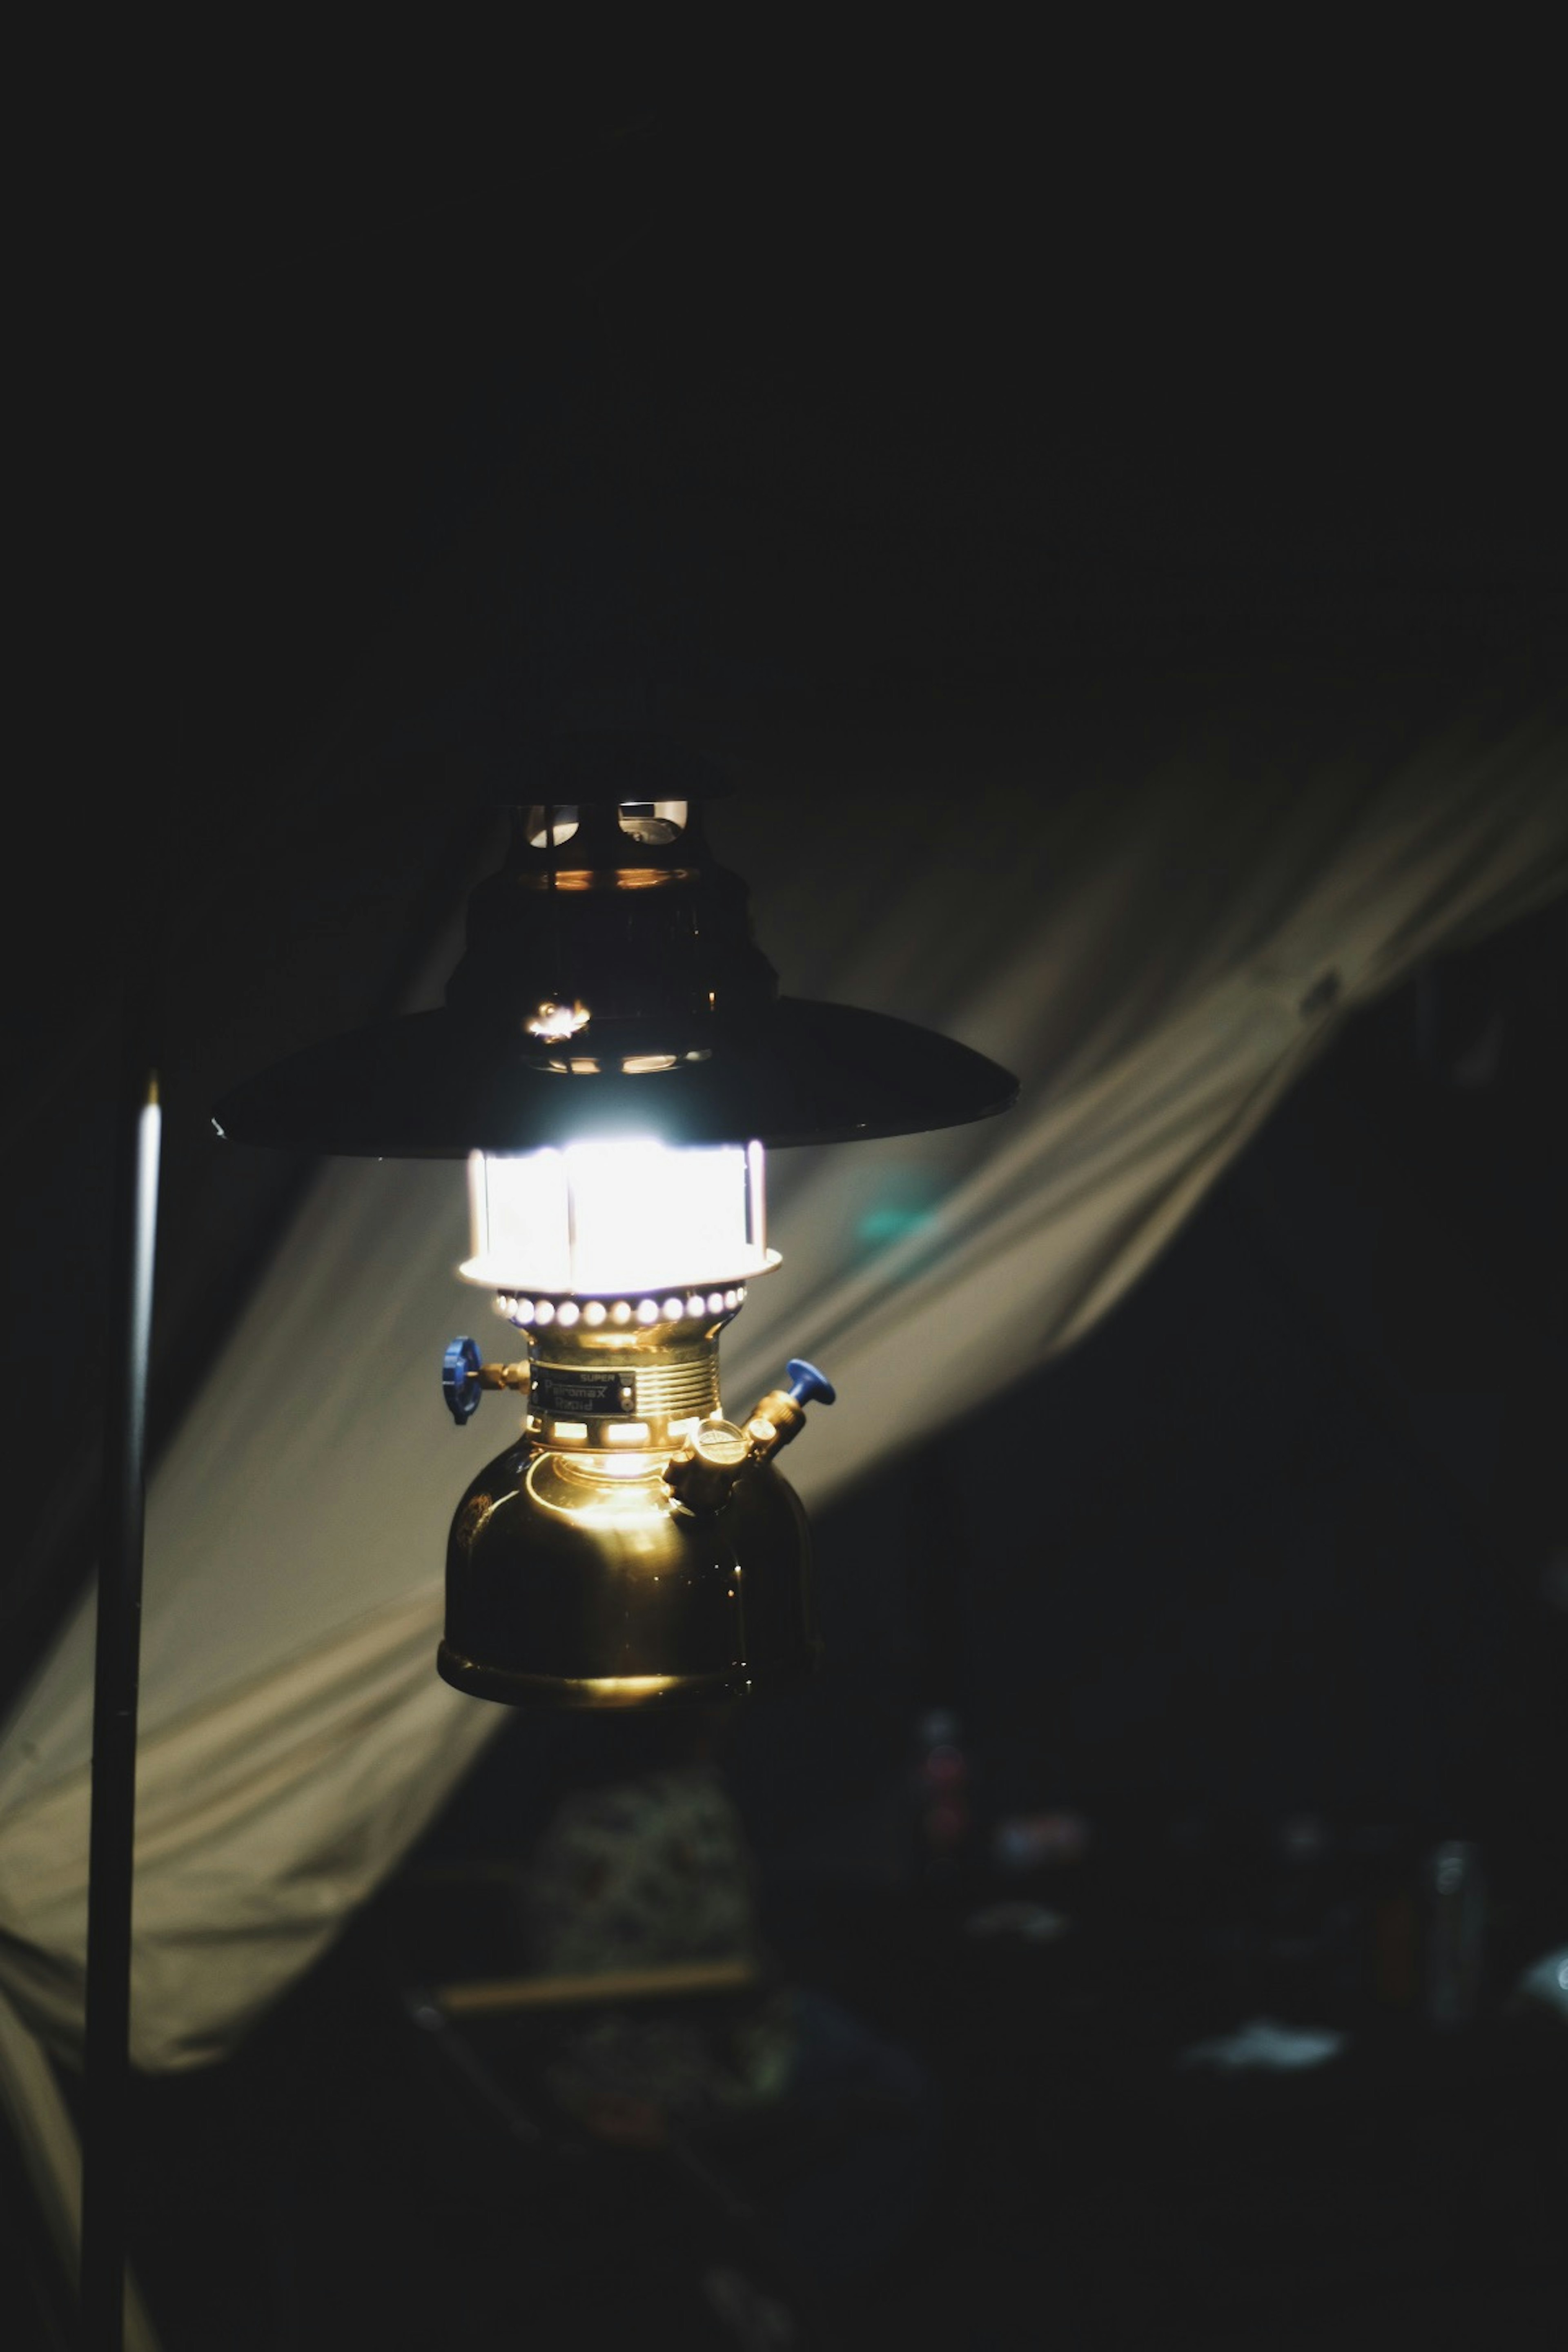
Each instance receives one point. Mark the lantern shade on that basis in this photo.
(438, 1085)
(610, 985)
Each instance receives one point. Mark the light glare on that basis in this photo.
(606, 1217)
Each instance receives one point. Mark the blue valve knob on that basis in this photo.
(807, 1385)
(460, 1380)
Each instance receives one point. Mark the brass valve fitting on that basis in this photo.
(774, 1423)
(702, 1474)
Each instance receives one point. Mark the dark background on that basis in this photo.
(352, 466)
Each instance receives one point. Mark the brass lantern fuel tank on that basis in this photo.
(565, 1585)
(633, 1547)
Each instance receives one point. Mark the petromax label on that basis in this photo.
(557, 1395)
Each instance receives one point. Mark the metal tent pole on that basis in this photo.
(107, 2084)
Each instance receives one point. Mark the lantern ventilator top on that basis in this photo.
(610, 985)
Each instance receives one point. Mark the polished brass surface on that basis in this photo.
(703, 1474)
(772, 1423)
(675, 1390)
(576, 1579)
(592, 1385)
(705, 1471)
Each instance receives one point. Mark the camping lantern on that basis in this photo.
(613, 1060)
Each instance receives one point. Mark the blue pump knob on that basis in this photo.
(460, 1380)
(807, 1385)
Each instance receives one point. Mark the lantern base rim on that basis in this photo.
(622, 1691)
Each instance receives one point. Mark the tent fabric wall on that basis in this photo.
(1159, 961)
(1159, 970)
